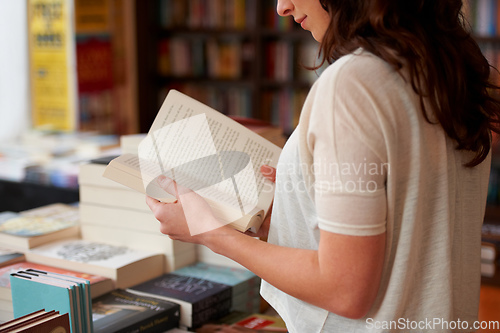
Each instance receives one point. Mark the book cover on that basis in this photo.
(31, 294)
(38, 226)
(99, 284)
(125, 265)
(249, 321)
(263, 323)
(40, 321)
(207, 152)
(83, 289)
(23, 319)
(122, 311)
(200, 300)
(56, 323)
(239, 279)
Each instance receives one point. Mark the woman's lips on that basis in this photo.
(301, 22)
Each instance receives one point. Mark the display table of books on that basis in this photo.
(186, 299)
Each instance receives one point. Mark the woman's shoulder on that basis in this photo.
(358, 65)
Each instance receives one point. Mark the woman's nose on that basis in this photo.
(284, 7)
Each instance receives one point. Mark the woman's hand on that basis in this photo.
(187, 219)
(270, 173)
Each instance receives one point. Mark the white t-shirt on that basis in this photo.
(363, 161)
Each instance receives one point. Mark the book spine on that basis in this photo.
(213, 301)
(212, 313)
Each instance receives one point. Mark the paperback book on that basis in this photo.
(120, 311)
(124, 265)
(239, 279)
(32, 292)
(38, 226)
(207, 152)
(99, 285)
(200, 300)
(10, 256)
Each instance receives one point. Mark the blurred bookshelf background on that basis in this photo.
(88, 72)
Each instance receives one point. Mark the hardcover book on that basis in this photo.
(40, 321)
(200, 300)
(120, 311)
(207, 152)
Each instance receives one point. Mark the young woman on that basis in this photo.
(381, 189)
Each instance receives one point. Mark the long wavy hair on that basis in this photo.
(446, 65)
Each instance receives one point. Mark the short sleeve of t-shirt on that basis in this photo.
(346, 138)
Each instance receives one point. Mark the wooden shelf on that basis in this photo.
(254, 78)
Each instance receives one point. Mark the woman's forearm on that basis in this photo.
(342, 277)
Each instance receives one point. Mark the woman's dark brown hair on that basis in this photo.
(445, 62)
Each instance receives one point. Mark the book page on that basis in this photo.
(209, 153)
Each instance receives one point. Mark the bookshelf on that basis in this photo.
(484, 19)
(238, 56)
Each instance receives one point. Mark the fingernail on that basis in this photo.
(161, 179)
(266, 169)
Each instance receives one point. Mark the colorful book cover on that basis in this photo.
(122, 311)
(261, 322)
(99, 284)
(200, 300)
(39, 221)
(29, 295)
(239, 279)
(83, 289)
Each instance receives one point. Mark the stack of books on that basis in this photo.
(115, 214)
(245, 285)
(33, 290)
(122, 311)
(200, 300)
(124, 265)
(99, 285)
(38, 321)
(28, 229)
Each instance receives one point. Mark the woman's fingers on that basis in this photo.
(269, 172)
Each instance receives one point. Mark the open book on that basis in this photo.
(207, 152)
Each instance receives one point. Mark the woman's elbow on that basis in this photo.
(351, 306)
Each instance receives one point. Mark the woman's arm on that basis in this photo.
(342, 276)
